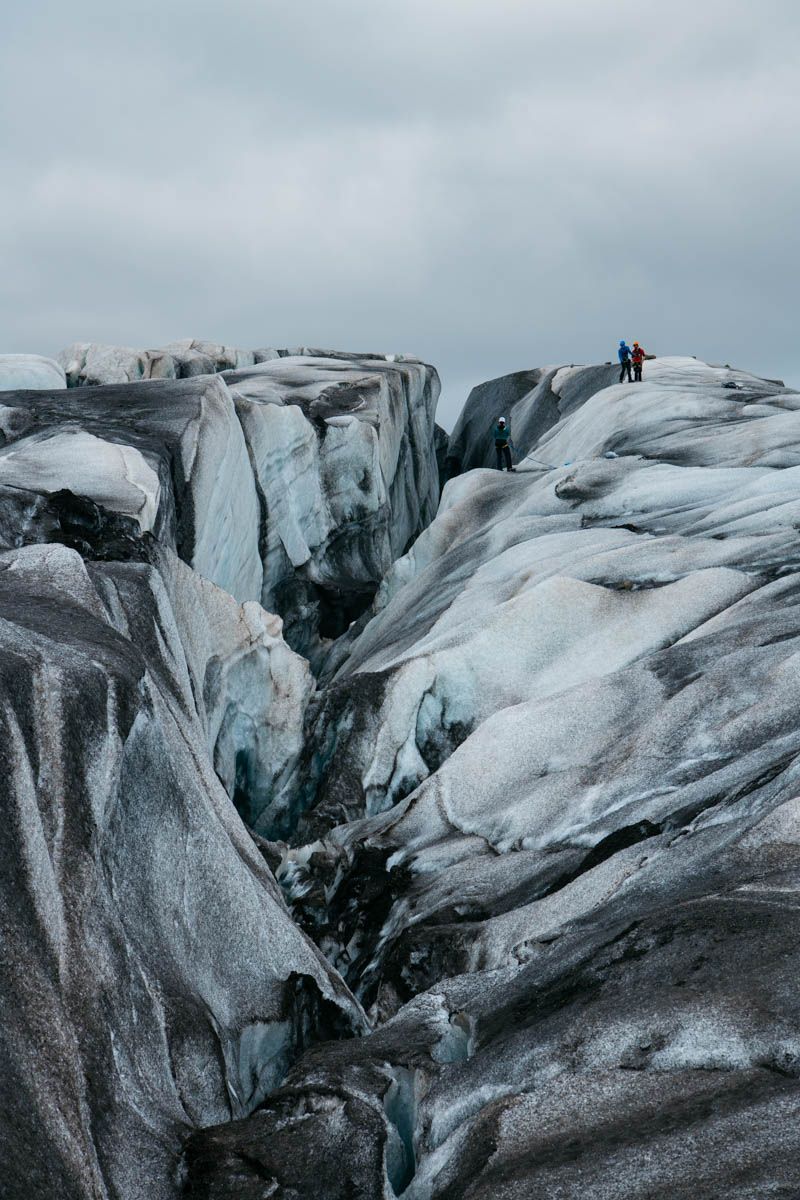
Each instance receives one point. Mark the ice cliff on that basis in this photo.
(481, 881)
(295, 482)
(153, 979)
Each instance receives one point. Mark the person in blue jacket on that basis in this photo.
(502, 436)
(624, 353)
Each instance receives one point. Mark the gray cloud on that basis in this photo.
(492, 186)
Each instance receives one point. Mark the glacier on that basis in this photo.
(362, 843)
(551, 788)
(154, 980)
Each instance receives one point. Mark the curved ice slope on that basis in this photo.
(526, 585)
(153, 980)
(30, 371)
(553, 781)
(115, 476)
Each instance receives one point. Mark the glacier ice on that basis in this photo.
(535, 810)
(18, 371)
(144, 934)
(154, 979)
(295, 481)
(551, 781)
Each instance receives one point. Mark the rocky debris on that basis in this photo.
(19, 371)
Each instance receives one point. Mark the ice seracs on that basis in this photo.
(551, 782)
(87, 364)
(344, 460)
(154, 980)
(534, 815)
(295, 482)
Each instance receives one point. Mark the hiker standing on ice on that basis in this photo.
(638, 356)
(624, 353)
(502, 436)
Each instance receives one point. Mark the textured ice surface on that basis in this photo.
(295, 481)
(116, 476)
(344, 461)
(30, 371)
(540, 815)
(520, 613)
(553, 780)
(152, 980)
(88, 364)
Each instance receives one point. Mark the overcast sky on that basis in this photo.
(489, 184)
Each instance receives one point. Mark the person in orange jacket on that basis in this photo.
(638, 357)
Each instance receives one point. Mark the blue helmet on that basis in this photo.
(622, 343)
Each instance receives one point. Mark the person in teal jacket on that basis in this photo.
(502, 436)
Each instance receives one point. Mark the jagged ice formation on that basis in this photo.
(515, 912)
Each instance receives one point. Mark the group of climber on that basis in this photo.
(631, 357)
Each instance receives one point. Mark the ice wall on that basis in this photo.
(551, 833)
(153, 979)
